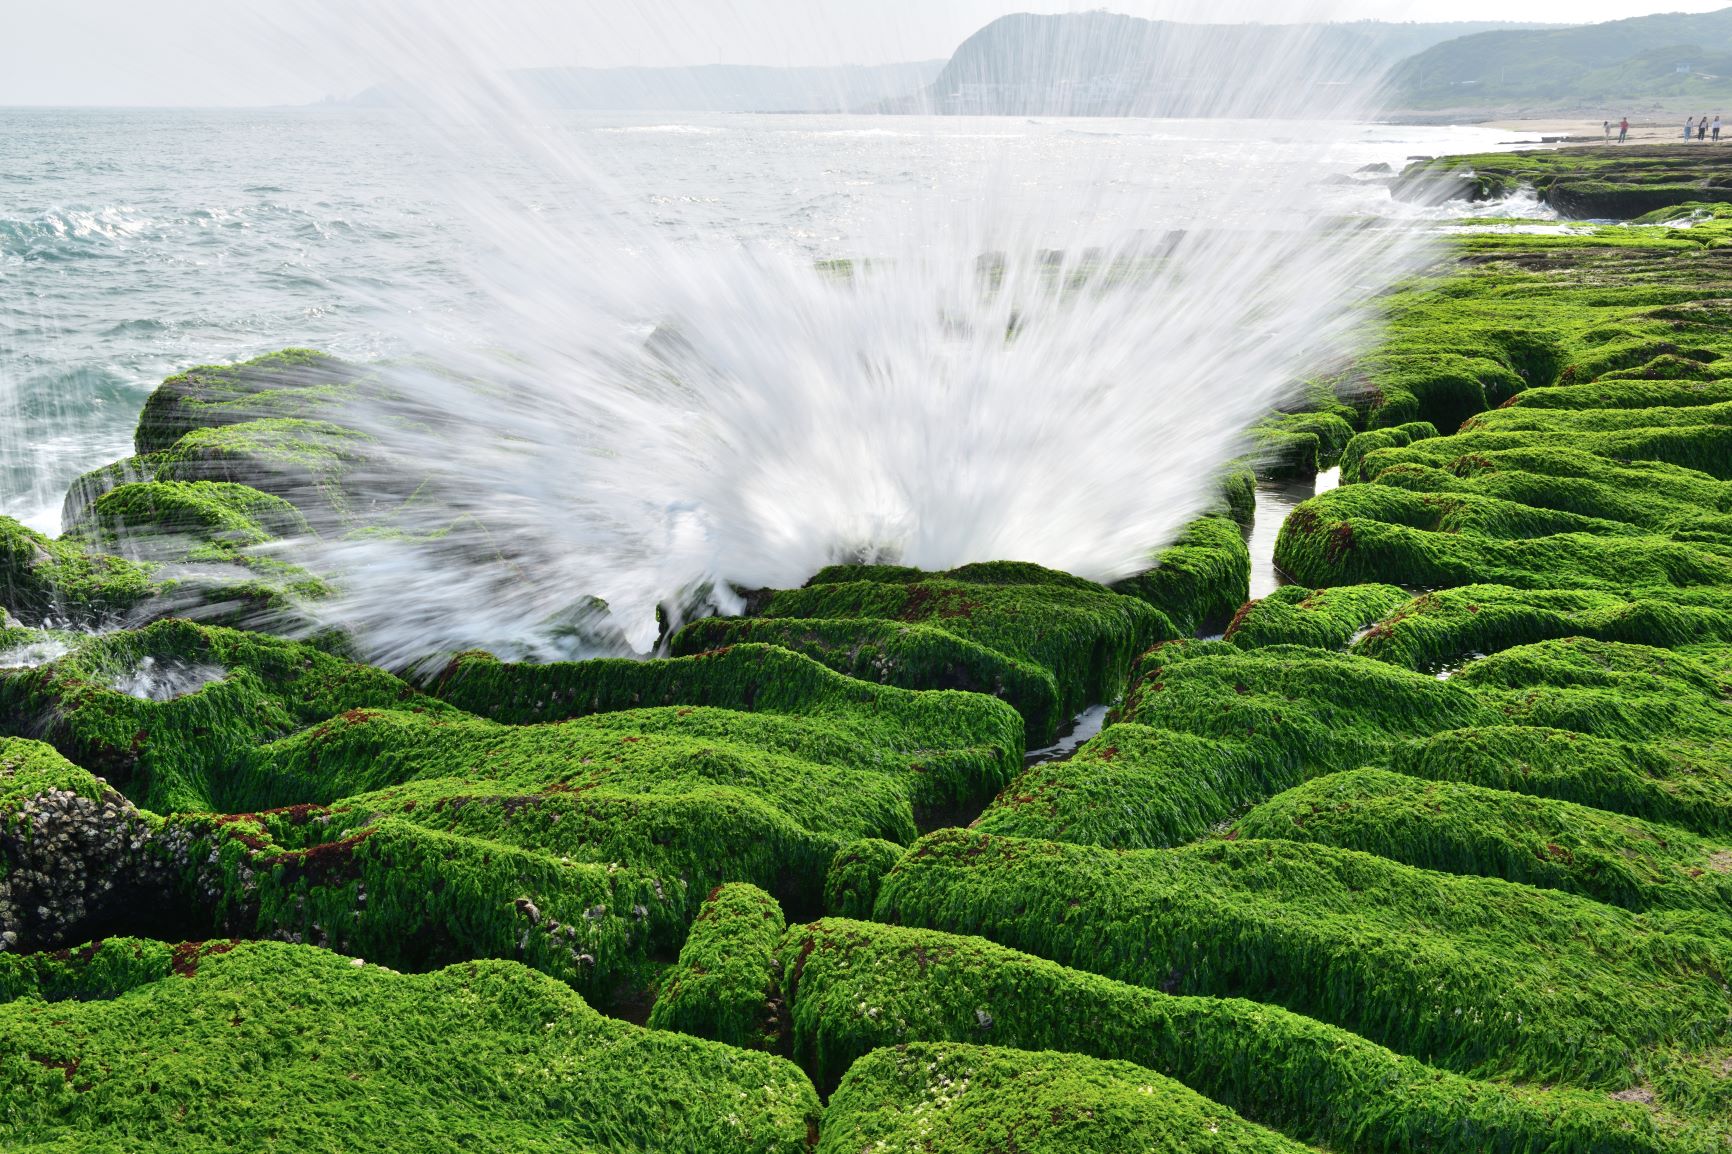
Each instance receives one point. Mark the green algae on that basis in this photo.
(1291, 445)
(1645, 494)
(41, 578)
(1319, 618)
(854, 987)
(1365, 533)
(1085, 634)
(178, 754)
(1689, 788)
(1131, 787)
(302, 461)
(290, 383)
(1201, 579)
(1603, 393)
(202, 520)
(1436, 628)
(1476, 975)
(97, 972)
(1469, 829)
(855, 873)
(1238, 495)
(1366, 443)
(251, 1045)
(29, 769)
(1581, 534)
(417, 898)
(1005, 628)
(1633, 693)
(651, 788)
(1620, 182)
(722, 986)
(894, 653)
(952, 1099)
(1305, 711)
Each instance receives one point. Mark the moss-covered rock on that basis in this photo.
(248, 1045)
(73, 853)
(724, 986)
(1680, 786)
(1320, 618)
(42, 579)
(1396, 437)
(894, 653)
(1617, 183)
(1437, 628)
(169, 713)
(1549, 985)
(1294, 445)
(959, 1099)
(291, 383)
(1033, 620)
(1304, 711)
(1132, 787)
(181, 520)
(862, 986)
(1201, 579)
(857, 870)
(373, 819)
(302, 461)
(1632, 693)
(951, 746)
(1377, 532)
(1469, 829)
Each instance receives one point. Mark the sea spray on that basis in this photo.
(646, 415)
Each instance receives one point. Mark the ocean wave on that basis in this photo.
(113, 222)
(663, 129)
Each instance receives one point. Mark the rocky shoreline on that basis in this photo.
(1431, 849)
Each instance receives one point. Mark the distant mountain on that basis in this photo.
(712, 88)
(1105, 64)
(1645, 64)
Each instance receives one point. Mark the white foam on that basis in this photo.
(1072, 407)
(166, 679)
(34, 653)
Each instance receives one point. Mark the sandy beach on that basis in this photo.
(1566, 130)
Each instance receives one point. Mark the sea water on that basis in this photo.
(136, 243)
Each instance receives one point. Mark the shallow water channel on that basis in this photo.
(1276, 499)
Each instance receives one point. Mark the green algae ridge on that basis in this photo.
(1469, 829)
(1201, 579)
(183, 753)
(1081, 634)
(956, 1099)
(41, 578)
(856, 987)
(1475, 975)
(249, 1045)
(723, 985)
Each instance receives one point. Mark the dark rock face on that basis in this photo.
(75, 865)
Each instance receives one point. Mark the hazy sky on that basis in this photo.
(241, 52)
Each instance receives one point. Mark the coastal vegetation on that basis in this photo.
(1429, 850)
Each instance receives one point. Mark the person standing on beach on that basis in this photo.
(1608, 127)
(1689, 128)
(1624, 130)
(1702, 131)
(1716, 128)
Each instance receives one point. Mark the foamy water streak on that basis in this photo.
(1021, 363)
